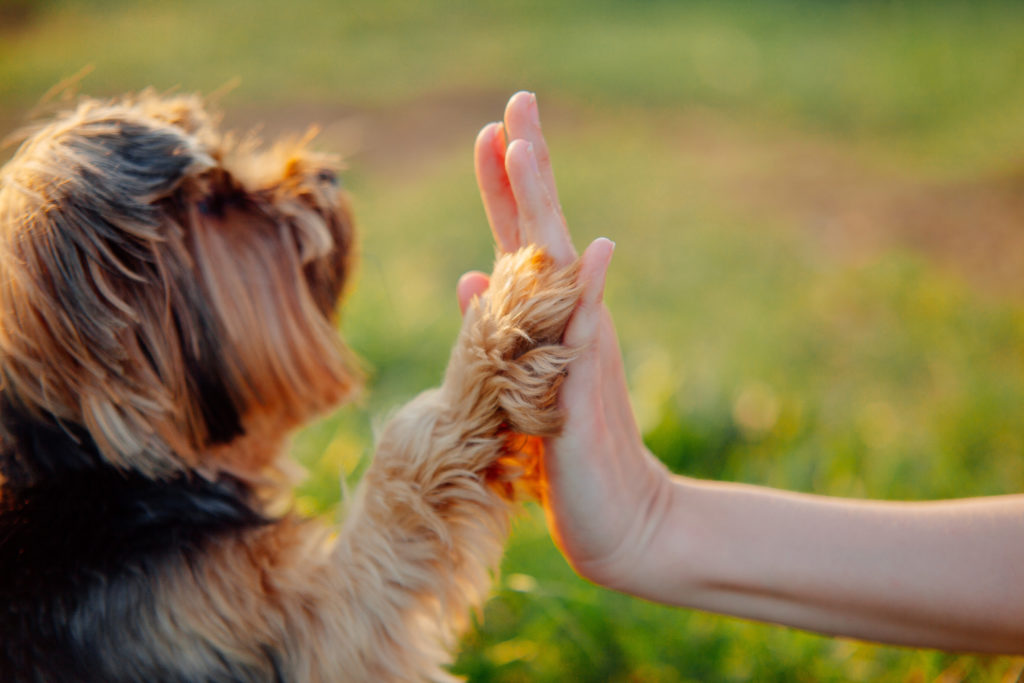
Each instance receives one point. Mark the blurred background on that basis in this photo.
(819, 276)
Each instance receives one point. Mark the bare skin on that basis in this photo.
(946, 575)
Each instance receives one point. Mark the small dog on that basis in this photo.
(167, 300)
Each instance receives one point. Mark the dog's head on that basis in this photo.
(165, 293)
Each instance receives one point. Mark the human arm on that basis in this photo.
(944, 575)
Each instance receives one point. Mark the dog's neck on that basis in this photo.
(38, 448)
(61, 537)
(34, 447)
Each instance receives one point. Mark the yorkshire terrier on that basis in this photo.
(167, 319)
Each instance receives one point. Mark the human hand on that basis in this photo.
(603, 492)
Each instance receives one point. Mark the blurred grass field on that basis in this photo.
(819, 275)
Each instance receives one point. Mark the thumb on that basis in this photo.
(583, 327)
(583, 382)
(471, 284)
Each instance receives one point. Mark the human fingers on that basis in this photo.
(495, 191)
(539, 219)
(471, 284)
(522, 121)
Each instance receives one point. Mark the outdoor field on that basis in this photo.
(818, 282)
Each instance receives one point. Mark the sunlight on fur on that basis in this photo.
(167, 320)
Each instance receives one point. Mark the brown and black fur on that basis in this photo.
(167, 319)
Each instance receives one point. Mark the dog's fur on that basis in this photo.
(167, 301)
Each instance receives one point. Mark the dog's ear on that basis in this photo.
(88, 331)
(271, 257)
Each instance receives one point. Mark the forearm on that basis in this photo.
(948, 575)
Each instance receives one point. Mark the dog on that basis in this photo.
(168, 301)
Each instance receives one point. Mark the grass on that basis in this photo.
(754, 352)
(890, 379)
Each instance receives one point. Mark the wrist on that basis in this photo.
(644, 551)
(662, 567)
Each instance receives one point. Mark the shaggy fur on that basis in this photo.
(167, 301)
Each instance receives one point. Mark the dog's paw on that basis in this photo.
(510, 359)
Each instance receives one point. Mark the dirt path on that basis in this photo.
(974, 227)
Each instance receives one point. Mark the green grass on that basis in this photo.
(890, 379)
(754, 354)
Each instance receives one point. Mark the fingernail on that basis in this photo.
(534, 110)
(611, 253)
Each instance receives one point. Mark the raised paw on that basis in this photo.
(509, 360)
